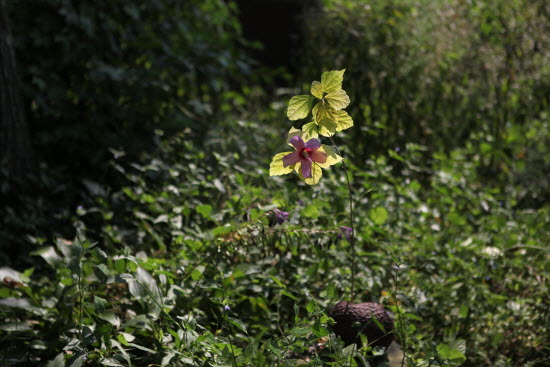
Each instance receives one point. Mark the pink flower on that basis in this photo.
(306, 154)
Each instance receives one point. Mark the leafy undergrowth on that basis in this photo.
(188, 263)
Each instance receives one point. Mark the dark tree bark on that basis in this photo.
(15, 147)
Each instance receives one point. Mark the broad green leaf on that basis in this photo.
(337, 99)
(299, 106)
(316, 173)
(327, 127)
(204, 210)
(332, 158)
(379, 215)
(310, 211)
(332, 80)
(317, 89)
(344, 121)
(276, 168)
(451, 354)
(322, 111)
(310, 131)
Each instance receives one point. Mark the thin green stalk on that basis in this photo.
(352, 236)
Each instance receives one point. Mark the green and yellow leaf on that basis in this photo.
(337, 99)
(332, 80)
(276, 167)
(310, 131)
(332, 158)
(317, 89)
(327, 127)
(299, 106)
(316, 174)
(323, 111)
(344, 121)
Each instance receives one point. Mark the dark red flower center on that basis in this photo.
(305, 153)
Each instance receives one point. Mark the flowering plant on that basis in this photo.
(310, 156)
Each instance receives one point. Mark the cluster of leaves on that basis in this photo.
(328, 118)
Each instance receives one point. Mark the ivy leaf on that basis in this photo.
(276, 168)
(327, 127)
(299, 106)
(322, 111)
(332, 80)
(337, 99)
(310, 131)
(317, 89)
(344, 121)
(332, 157)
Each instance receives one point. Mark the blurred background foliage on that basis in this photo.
(154, 124)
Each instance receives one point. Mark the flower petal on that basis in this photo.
(313, 144)
(306, 168)
(297, 142)
(317, 156)
(291, 158)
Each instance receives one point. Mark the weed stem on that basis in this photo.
(352, 235)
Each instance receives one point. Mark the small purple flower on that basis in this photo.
(396, 267)
(280, 216)
(306, 154)
(226, 308)
(347, 231)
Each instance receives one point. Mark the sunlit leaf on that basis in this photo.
(316, 173)
(310, 131)
(322, 111)
(337, 99)
(344, 121)
(332, 80)
(332, 157)
(276, 167)
(299, 106)
(317, 89)
(327, 127)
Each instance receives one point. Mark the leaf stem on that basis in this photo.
(352, 236)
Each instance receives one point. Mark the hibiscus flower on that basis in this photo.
(305, 154)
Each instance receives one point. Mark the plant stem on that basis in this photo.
(352, 236)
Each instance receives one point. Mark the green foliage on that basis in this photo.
(437, 73)
(95, 74)
(191, 255)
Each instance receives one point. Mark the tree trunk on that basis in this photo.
(15, 147)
